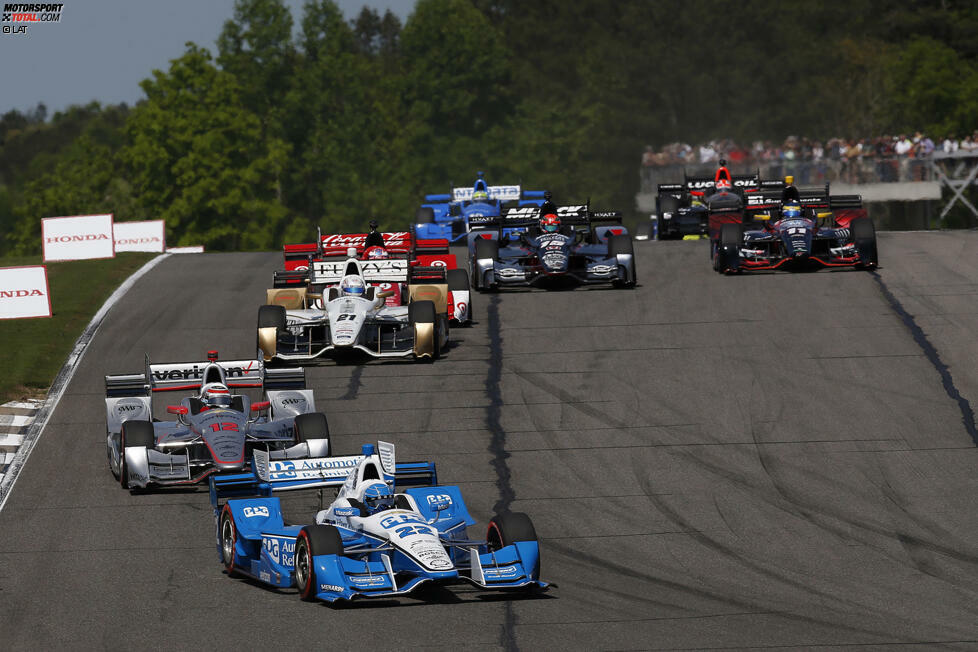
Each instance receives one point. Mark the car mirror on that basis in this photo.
(384, 294)
(260, 405)
(762, 216)
(346, 511)
(823, 216)
(177, 409)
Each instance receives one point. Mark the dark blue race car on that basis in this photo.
(447, 216)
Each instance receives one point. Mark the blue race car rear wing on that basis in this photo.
(269, 475)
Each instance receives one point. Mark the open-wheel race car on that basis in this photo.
(376, 245)
(448, 216)
(215, 429)
(791, 228)
(380, 537)
(343, 309)
(571, 246)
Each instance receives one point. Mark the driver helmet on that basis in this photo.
(215, 395)
(353, 286)
(791, 210)
(550, 223)
(373, 225)
(377, 496)
(376, 253)
(480, 195)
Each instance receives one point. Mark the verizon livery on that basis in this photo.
(215, 430)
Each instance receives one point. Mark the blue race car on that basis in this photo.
(446, 217)
(370, 542)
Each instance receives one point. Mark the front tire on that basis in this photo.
(228, 533)
(729, 251)
(313, 540)
(864, 237)
(134, 433)
(313, 426)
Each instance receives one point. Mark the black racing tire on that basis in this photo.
(728, 254)
(312, 426)
(134, 433)
(269, 316)
(424, 215)
(423, 312)
(644, 231)
(227, 532)
(486, 249)
(620, 244)
(666, 204)
(458, 279)
(313, 540)
(864, 237)
(506, 529)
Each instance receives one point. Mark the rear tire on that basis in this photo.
(666, 204)
(864, 236)
(424, 215)
(728, 254)
(134, 433)
(313, 540)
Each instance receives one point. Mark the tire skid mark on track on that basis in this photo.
(354, 385)
(967, 414)
(497, 447)
(564, 398)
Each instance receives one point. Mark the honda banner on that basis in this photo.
(140, 236)
(77, 238)
(24, 292)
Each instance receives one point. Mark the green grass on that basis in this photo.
(33, 350)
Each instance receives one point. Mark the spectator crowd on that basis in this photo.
(884, 158)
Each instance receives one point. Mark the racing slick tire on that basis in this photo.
(424, 215)
(312, 541)
(484, 249)
(622, 244)
(728, 254)
(458, 279)
(313, 425)
(423, 320)
(269, 317)
(666, 204)
(227, 533)
(134, 433)
(864, 237)
(508, 528)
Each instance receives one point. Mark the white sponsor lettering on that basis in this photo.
(259, 510)
(24, 292)
(77, 238)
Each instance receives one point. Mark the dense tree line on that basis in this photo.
(302, 120)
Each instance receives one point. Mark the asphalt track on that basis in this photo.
(710, 462)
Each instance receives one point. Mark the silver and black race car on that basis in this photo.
(216, 430)
(585, 248)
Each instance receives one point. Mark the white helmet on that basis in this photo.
(215, 395)
(353, 286)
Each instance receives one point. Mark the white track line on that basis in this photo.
(63, 378)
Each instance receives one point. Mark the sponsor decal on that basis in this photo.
(332, 467)
(439, 499)
(296, 400)
(601, 269)
(265, 577)
(280, 550)
(501, 573)
(20, 294)
(331, 587)
(260, 510)
(510, 272)
(359, 239)
(163, 373)
(88, 237)
(369, 580)
(24, 292)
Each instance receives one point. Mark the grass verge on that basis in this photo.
(33, 350)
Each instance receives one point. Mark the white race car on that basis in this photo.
(341, 312)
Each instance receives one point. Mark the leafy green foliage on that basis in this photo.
(341, 121)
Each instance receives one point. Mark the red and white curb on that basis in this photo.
(16, 418)
(14, 460)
